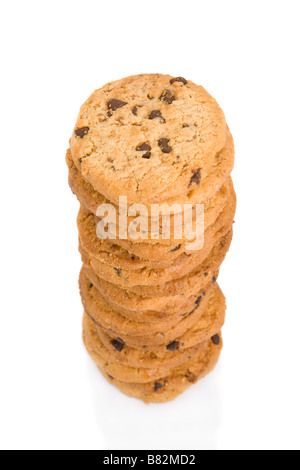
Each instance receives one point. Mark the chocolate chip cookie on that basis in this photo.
(147, 137)
(153, 310)
(166, 387)
(126, 277)
(205, 191)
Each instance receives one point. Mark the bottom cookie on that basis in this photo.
(175, 382)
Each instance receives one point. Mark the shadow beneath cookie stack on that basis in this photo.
(153, 310)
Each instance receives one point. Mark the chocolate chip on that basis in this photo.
(118, 344)
(205, 274)
(176, 248)
(178, 79)
(82, 132)
(150, 97)
(204, 294)
(164, 145)
(115, 104)
(216, 340)
(190, 377)
(173, 346)
(185, 125)
(155, 114)
(194, 309)
(82, 158)
(110, 377)
(214, 279)
(133, 257)
(157, 386)
(118, 271)
(198, 302)
(91, 285)
(196, 177)
(144, 148)
(167, 96)
(135, 110)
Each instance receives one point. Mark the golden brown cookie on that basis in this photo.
(153, 309)
(158, 251)
(205, 191)
(167, 387)
(148, 137)
(190, 282)
(120, 352)
(172, 232)
(103, 314)
(121, 371)
(146, 309)
(126, 278)
(211, 319)
(147, 335)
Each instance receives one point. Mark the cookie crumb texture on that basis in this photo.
(147, 137)
(153, 310)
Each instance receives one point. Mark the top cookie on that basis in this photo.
(148, 137)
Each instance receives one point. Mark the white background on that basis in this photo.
(53, 55)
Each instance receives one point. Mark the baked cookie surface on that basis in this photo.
(150, 137)
(205, 316)
(168, 383)
(205, 190)
(153, 310)
(126, 273)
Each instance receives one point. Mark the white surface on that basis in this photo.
(54, 54)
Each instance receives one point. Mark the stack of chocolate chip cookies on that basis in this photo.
(153, 308)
